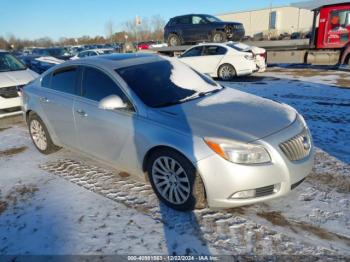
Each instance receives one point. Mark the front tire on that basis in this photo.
(227, 72)
(175, 180)
(40, 135)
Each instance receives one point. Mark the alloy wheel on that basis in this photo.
(227, 72)
(171, 180)
(38, 134)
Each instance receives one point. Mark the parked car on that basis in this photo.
(220, 60)
(39, 64)
(57, 52)
(93, 52)
(196, 141)
(195, 28)
(144, 45)
(13, 76)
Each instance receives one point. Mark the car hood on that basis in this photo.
(17, 78)
(224, 23)
(228, 114)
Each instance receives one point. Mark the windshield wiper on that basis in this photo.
(200, 94)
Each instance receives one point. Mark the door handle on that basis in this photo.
(82, 112)
(44, 99)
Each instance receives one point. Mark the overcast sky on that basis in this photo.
(73, 18)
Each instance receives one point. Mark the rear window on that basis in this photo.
(45, 82)
(64, 80)
(184, 20)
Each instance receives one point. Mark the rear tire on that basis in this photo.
(226, 72)
(175, 180)
(174, 40)
(40, 135)
(219, 37)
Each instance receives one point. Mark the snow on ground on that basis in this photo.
(68, 204)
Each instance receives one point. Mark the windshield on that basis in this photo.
(166, 82)
(51, 52)
(212, 19)
(9, 63)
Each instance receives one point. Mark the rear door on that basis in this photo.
(206, 60)
(57, 103)
(101, 133)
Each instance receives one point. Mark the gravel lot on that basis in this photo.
(68, 204)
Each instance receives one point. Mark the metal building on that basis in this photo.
(272, 21)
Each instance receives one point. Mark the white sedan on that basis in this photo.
(13, 76)
(92, 52)
(221, 60)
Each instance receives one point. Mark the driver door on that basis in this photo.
(101, 133)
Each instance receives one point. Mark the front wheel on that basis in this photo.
(226, 72)
(175, 180)
(40, 136)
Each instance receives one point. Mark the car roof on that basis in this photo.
(115, 61)
(188, 15)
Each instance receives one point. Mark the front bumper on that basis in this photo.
(222, 178)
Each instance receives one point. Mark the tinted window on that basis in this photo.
(198, 20)
(214, 50)
(45, 82)
(196, 51)
(64, 80)
(97, 85)
(83, 54)
(160, 83)
(184, 20)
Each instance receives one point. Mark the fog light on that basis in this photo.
(244, 194)
(276, 188)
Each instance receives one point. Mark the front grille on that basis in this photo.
(297, 184)
(298, 147)
(264, 191)
(9, 92)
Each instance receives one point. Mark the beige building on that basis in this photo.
(272, 21)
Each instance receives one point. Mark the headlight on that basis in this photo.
(237, 152)
(302, 120)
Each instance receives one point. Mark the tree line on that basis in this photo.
(146, 30)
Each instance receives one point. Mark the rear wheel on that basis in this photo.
(40, 136)
(175, 180)
(226, 72)
(174, 40)
(219, 37)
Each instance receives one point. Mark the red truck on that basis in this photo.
(330, 40)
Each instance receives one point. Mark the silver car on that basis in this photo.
(197, 142)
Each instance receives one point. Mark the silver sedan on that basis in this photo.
(197, 142)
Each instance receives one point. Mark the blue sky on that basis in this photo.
(73, 18)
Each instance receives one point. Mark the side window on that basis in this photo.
(197, 20)
(214, 50)
(196, 51)
(45, 81)
(184, 20)
(83, 54)
(97, 85)
(64, 80)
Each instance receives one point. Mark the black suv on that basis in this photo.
(196, 28)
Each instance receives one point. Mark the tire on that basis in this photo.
(162, 166)
(174, 40)
(226, 72)
(219, 37)
(40, 135)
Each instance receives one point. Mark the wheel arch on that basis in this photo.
(345, 56)
(225, 63)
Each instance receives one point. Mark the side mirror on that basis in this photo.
(112, 102)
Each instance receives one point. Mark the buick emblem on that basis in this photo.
(306, 143)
